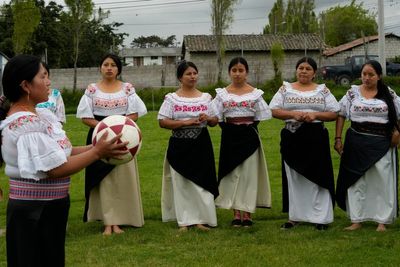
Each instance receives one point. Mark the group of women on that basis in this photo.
(39, 157)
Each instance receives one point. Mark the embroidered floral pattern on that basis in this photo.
(91, 89)
(110, 103)
(129, 89)
(243, 104)
(305, 100)
(64, 143)
(20, 121)
(187, 108)
(381, 109)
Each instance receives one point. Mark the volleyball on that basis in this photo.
(131, 133)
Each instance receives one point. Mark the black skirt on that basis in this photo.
(360, 153)
(238, 142)
(193, 158)
(307, 151)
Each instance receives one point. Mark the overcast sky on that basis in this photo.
(184, 17)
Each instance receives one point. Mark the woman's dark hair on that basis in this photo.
(18, 69)
(116, 59)
(183, 66)
(238, 60)
(308, 60)
(384, 94)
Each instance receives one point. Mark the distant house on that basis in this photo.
(150, 56)
(3, 62)
(362, 46)
(255, 48)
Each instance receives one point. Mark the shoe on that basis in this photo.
(247, 223)
(288, 225)
(236, 223)
(321, 227)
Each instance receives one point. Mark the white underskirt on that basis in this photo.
(374, 196)
(308, 202)
(184, 201)
(247, 186)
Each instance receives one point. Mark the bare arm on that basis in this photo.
(211, 120)
(321, 116)
(284, 114)
(90, 122)
(338, 137)
(80, 149)
(133, 116)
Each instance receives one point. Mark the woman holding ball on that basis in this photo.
(103, 182)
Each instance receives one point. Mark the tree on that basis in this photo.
(79, 14)
(343, 24)
(297, 17)
(6, 30)
(26, 18)
(222, 17)
(277, 56)
(153, 41)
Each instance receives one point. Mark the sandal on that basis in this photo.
(236, 223)
(288, 225)
(247, 223)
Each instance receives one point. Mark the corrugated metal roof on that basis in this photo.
(357, 42)
(253, 42)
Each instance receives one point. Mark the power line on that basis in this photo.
(156, 5)
(183, 23)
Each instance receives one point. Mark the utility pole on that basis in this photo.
(381, 36)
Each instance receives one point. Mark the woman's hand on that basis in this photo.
(395, 138)
(298, 115)
(110, 148)
(192, 122)
(310, 117)
(338, 146)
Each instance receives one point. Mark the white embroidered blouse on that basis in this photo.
(97, 102)
(357, 108)
(227, 105)
(55, 104)
(33, 144)
(183, 108)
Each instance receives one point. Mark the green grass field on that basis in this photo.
(264, 244)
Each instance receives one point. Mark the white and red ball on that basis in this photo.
(114, 125)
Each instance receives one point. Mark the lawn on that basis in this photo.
(264, 244)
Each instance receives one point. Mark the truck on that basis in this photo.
(351, 70)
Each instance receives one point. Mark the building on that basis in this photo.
(150, 56)
(255, 48)
(362, 46)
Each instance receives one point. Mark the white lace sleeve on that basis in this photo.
(263, 112)
(217, 105)
(85, 107)
(60, 108)
(344, 105)
(277, 100)
(331, 103)
(166, 111)
(38, 153)
(136, 105)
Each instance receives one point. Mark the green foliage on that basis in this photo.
(71, 100)
(153, 41)
(343, 24)
(222, 17)
(278, 57)
(297, 17)
(26, 17)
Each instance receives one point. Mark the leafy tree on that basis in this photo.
(277, 56)
(222, 17)
(6, 30)
(26, 18)
(297, 17)
(343, 24)
(79, 14)
(153, 41)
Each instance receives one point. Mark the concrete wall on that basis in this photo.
(260, 65)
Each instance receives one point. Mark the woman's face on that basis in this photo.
(189, 77)
(109, 69)
(238, 73)
(369, 77)
(305, 73)
(39, 87)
